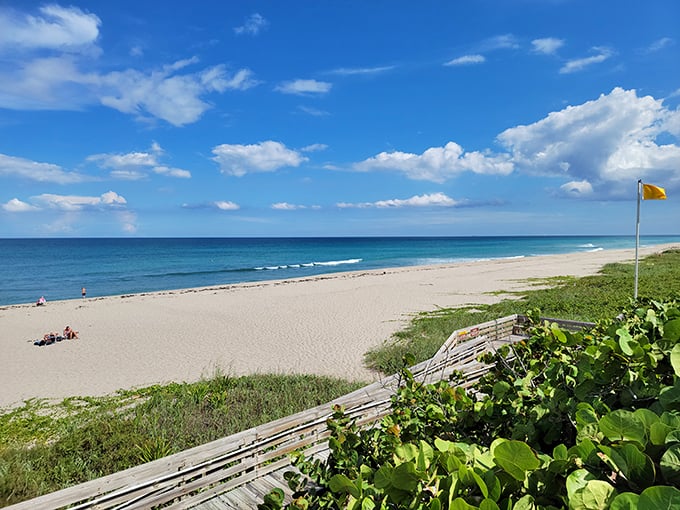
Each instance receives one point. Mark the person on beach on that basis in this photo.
(69, 333)
(82, 291)
(41, 301)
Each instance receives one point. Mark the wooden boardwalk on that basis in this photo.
(235, 472)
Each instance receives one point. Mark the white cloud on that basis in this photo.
(77, 203)
(304, 87)
(577, 188)
(16, 205)
(172, 172)
(579, 64)
(611, 140)
(466, 60)
(352, 71)
(285, 206)
(253, 25)
(438, 164)
(49, 62)
(175, 98)
(500, 42)
(428, 200)
(660, 44)
(42, 172)
(547, 45)
(134, 166)
(226, 206)
(313, 111)
(54, 27)
(268, 156)
(315, 147)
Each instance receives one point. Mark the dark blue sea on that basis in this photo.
(59, 268)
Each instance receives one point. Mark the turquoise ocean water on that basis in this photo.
(58, 268)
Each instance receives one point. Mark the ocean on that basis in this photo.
(58, 268)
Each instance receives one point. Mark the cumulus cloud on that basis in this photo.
(304, 87)
(579, 64)
(16, 205)
(253, 25)
(547, 45)
(52, 27)
(577, 188)
(597, 148)
(466, 60)
(427, 200)
(51, 66)
(226, 206)
(438, 164)
(167, 95)
(611, 140)
(268, 156)
(42, 172)
(77, 203)
(137, 165)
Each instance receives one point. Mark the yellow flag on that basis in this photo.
(651, 192)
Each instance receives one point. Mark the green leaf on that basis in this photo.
(525, 503)
(516, 458)
(435, 504)
(626, 341)
(670, 464)
(577, 480)
(660, 497)
(625, 501)
(658, 432)
(637, 467)
(367, 504)
(488, 504)
(596, 495)
(669, 397)
(461, 504)
(405, 477)
(622, 425)
(425, 456)
(675, 359)
(340, 483)
(500, 389)
(560, 452)
(383, 477)
(671, 330)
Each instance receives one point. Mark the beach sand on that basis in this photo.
(319, 325)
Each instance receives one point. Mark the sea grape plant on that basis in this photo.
(563, 420)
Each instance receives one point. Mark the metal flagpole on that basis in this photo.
(637, 238)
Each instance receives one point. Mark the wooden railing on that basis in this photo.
(190, 477)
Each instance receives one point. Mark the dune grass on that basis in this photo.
(48, 446)
(586, 299)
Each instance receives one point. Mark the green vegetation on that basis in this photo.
(45, 447)
(585, 299)
(578, 421)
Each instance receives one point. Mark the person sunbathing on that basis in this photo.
(70, 333)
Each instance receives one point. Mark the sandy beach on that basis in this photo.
(320, 325)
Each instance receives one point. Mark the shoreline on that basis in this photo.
(320, 324)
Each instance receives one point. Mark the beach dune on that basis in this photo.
(318, 325)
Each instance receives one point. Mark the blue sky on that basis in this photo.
(314, 118)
